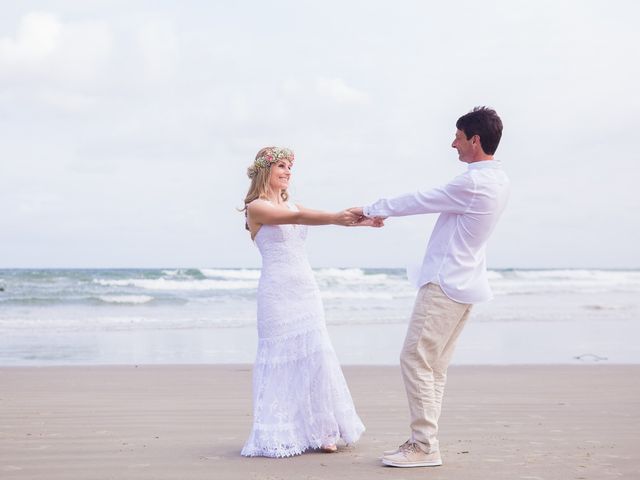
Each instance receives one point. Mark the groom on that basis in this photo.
(452, 278)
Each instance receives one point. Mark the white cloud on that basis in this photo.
(158, 45)
(36, 204)
(68, 101)
(47, 49)
(85, 50)
(38, 35)
(339, 91)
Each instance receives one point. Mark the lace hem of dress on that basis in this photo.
(301, 405)
(287, 440)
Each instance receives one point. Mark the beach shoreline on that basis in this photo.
(481, 343)
(190, 421)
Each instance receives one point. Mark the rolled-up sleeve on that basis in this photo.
(454, 197)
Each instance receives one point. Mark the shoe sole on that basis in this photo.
(391, 463)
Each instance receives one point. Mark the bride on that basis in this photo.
(300, 397)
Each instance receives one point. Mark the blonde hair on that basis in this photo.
(259, 188)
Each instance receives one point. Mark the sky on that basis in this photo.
(126, 127)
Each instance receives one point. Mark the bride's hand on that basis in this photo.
(346, 218)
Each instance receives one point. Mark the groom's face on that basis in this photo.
(464, 147)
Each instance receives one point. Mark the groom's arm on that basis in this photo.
(454, 197)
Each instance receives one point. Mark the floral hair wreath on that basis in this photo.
(268, 156)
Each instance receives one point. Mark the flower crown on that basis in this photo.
(267, 157)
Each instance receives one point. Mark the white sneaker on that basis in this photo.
(391, 452)
(412, 456)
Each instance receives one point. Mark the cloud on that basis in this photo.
(68, 101)
(47, 49)
(337, 90)
(158, 45)
(38, 35)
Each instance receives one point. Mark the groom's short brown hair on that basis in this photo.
(485, 123)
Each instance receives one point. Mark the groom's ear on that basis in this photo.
(477, 142)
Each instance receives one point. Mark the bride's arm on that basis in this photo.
(360, 220)
(265, 214)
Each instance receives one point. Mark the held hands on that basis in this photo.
(346, 218)
(354, 217)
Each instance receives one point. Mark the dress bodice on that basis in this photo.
(287, 282)
(278, 243)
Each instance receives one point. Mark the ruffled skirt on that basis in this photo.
(301, 399)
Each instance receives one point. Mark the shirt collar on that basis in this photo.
(485, 164)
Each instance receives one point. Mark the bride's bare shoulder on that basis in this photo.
(259, 204)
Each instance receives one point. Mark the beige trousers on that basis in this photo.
(436, 323)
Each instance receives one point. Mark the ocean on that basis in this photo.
(207, 315)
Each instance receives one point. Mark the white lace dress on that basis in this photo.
(300, 397)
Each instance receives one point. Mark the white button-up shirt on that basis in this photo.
(469, 206)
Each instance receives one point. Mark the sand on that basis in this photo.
(190, 422)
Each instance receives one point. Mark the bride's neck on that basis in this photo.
(274, 197)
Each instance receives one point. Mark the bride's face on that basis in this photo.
(280, 175)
